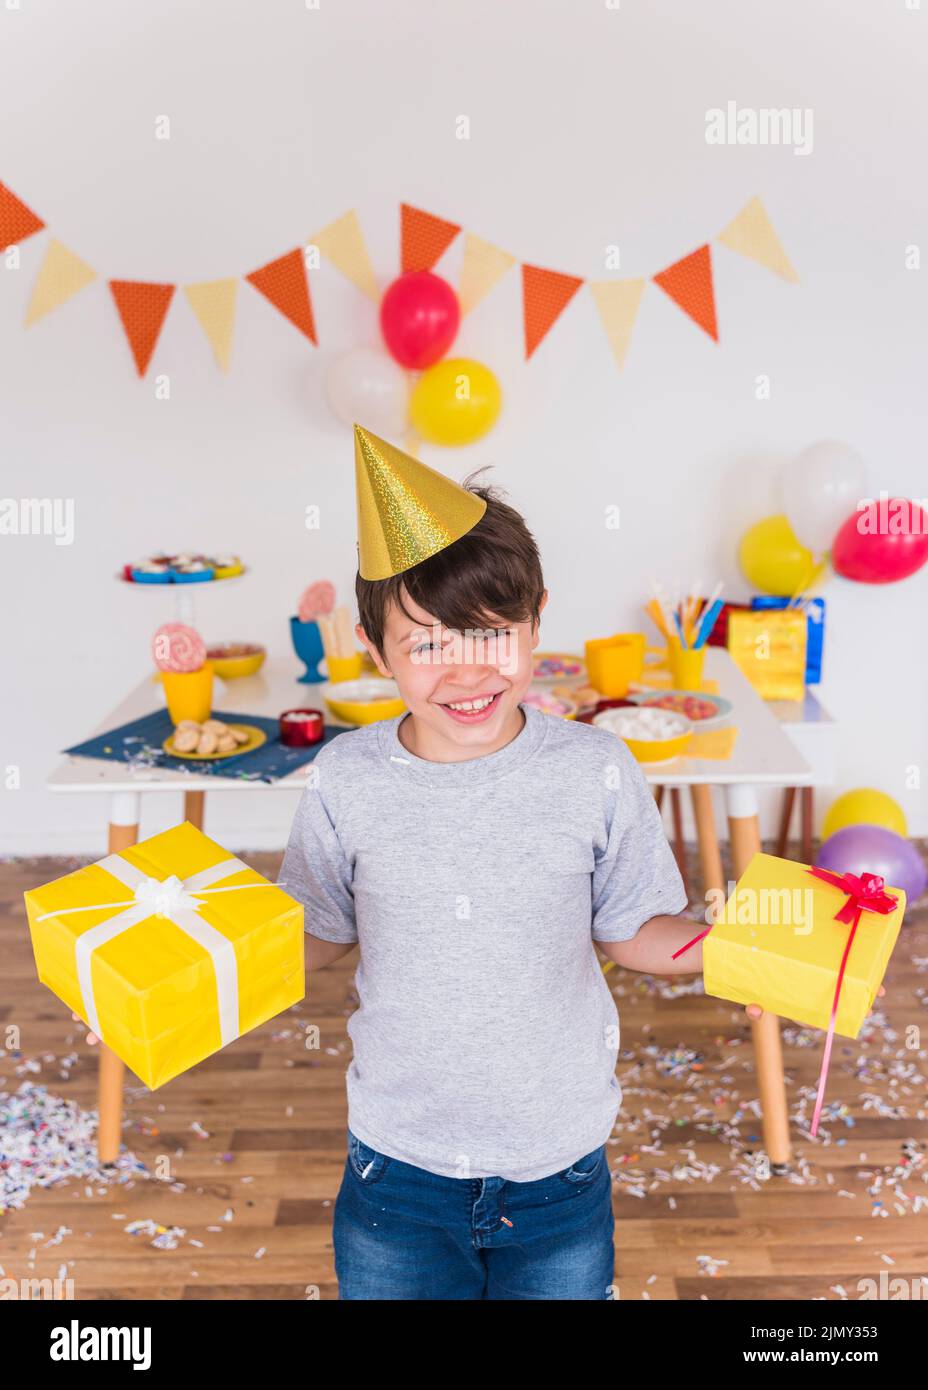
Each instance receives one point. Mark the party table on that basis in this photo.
(762, 754)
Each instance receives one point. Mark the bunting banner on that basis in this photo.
(617, 302)
(751, 234)
(213, 302)
(545, 296)
(423, 238)
(61, 276)
(342, 242)
(17, 222)
(482, 267)
(284, 282)
(688, 282)
(142, 308)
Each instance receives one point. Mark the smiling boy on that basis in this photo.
(475, 849)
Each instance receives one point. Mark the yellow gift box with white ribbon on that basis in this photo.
(791, 941)
(168, 950)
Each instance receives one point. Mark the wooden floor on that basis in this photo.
(244, 1154)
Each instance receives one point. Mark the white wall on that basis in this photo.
(587, 129)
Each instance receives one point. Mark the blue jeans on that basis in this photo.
(402, 1232)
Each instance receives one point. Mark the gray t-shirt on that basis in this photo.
(486, 1037)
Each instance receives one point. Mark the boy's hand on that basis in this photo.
(91, 1037)
(755, 1010)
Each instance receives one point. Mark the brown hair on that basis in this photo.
(493, 571)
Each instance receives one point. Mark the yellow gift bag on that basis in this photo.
(168, 950)
(769, 646)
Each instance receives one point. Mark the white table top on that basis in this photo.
(763, 755)
(763, 752)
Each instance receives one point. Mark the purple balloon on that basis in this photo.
(873, 849)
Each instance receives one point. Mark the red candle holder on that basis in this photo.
(301, 728)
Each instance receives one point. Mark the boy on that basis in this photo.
(475, 849)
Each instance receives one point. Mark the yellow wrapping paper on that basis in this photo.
(160, 998)
(769, 647)
(776, 943)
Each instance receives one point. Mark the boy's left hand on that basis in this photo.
(755, 1010)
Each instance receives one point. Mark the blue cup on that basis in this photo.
(307, 643)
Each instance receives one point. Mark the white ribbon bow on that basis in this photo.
(175, 900)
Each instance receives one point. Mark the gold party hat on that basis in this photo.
(406, 511)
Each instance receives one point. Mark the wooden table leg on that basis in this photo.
(123, 832)
(744, 829)
(193, 808)
(805, 822)
(786, 815)
(679, 844)
(710, 856)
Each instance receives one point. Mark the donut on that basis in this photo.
(317, 600)
(176, 647)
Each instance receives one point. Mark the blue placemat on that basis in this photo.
(139, 743)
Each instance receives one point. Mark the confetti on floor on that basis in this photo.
(45, 1141)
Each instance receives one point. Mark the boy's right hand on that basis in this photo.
(91, 1037)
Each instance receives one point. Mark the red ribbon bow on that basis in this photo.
(865, 893)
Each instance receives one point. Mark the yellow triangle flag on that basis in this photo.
(617, 302)
(213, 302)
(751, 234)
(343, 243)
(62, 274)
(483, 265)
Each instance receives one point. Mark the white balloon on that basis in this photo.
(819, 489)
(367, 387)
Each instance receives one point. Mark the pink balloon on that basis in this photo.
(419, 317)
(887, 542)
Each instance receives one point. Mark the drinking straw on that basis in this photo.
(676, 618)
(653, 609)
(707, 622)
(709, 601)
(661, 599)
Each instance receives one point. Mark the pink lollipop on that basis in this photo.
(318, 599)
(177, 647)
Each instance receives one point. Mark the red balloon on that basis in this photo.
(892, 544)
(419, 317)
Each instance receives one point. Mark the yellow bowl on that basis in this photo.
(648, 750)
(658, 750)
(229, 667)
(364, 701)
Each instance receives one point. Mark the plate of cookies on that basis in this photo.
(213, 738)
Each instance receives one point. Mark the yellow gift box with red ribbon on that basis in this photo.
(788, 935)
(168, 950)
(805, 943)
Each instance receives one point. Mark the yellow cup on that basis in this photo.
(344, 668)
(686, 665)
(189, 693)
(612, 663)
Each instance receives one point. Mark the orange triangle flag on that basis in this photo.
(423, 238)
(688, 282)
(142, 308)
(16, 220)
(545, 295)
(284, 283)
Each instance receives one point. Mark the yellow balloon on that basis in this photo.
(864, 806)
(772, 559)
(455, 402)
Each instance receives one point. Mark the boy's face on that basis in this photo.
(462, 688)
